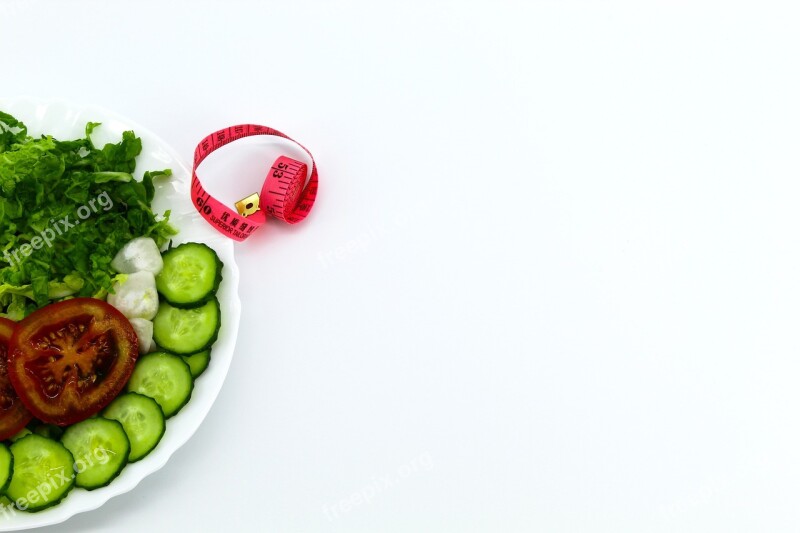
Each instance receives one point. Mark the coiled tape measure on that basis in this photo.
(285, 194)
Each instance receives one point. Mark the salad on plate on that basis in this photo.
(104, 324)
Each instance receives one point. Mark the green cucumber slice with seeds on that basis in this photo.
(141, 418)
(43, 473)
(101, 449)
(186, 331)
(192, 273)
(164, 377)
(198, 362)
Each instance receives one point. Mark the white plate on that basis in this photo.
(66, 121)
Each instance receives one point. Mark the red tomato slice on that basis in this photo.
(13, 415)
(69, 359)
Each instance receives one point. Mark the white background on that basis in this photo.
(552, 281)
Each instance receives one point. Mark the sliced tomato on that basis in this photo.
(69, 359)
(13, 414)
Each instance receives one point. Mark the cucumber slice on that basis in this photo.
(186, 331)
(43, 473)
(100, 447)
(198, 362)
(141, 418)
(192, 273)
(164, 377)
(6, 467)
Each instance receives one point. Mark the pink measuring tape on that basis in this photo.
(285, 194)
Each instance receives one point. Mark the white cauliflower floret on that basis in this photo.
(144, 331)
(136, 297)
(138, 255)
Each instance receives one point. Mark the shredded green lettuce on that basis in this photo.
(79, 203)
